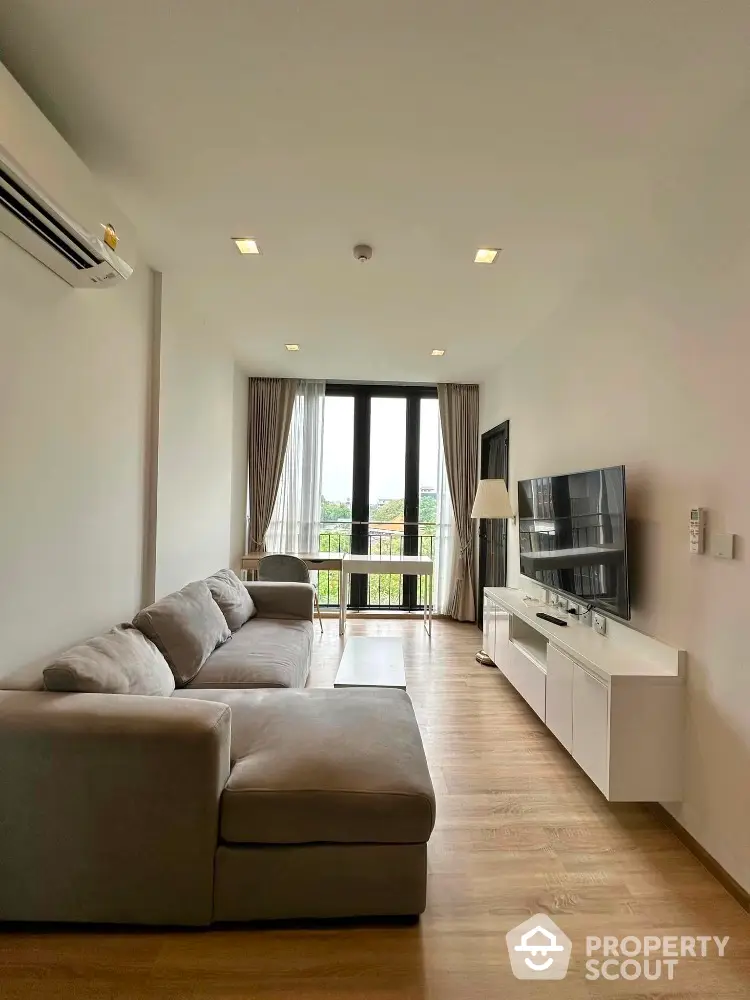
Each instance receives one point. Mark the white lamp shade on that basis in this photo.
(492, 499)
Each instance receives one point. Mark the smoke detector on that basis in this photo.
(362, 252)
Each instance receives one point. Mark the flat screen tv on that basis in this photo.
(573, 537)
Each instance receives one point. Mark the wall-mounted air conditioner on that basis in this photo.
(50, 204)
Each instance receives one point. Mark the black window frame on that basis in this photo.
(363, 393)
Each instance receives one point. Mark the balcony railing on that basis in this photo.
(384, 590)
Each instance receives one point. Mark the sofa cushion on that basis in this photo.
(263, 653)
(122, 661)
(186, 626)
(231, 595)
(325, 766)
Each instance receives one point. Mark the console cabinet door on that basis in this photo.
(488, 625)
(559, 718)
(500, 646)
(591, 726)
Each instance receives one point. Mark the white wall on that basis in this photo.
(647, 364)
(73, 411)
(113, 491)
(196, 446)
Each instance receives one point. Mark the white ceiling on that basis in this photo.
(425, 127)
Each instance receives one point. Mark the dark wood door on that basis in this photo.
(493, 533)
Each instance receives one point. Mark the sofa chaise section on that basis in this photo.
(328, 807)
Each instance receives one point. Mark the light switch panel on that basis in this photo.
(722, 546)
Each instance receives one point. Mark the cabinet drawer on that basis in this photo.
(591, 726)
(527, 677)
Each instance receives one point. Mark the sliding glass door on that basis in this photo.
(386, 525)
(380, 468)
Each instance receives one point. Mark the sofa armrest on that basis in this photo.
(109, 807)
(282, 600)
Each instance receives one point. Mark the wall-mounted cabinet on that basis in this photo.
(615, 703)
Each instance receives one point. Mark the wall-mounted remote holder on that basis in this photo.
(698, 530)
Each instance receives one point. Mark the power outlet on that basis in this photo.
(600, 624)
(585, 617)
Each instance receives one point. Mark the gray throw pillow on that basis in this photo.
(122, 661)
(231, 595)
(186, 626)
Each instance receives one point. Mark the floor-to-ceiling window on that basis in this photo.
(379, 485)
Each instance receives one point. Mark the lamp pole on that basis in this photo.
(491, 501)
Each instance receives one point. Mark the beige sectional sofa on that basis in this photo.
(237, 796)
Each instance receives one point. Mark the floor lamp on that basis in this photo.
(491, 502)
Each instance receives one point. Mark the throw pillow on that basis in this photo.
(231, 595)
(186, 626)
(123, 661)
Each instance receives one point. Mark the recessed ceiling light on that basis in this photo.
(247, 246)
(485, 256)
(437, 353)
(292, 347)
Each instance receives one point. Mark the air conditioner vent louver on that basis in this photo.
(27, 210)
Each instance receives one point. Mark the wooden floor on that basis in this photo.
(520, 830)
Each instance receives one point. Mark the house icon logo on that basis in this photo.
(538, 949)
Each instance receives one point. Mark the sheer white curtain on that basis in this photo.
(295, 521)
(445, 535)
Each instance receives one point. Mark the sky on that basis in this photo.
(387, 445)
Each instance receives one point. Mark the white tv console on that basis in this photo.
(615, 702)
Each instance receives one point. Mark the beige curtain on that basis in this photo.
(269, 416)
(459, 422)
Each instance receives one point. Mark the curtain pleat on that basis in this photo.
(269, 416)
(459, 422)
(445, 537)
